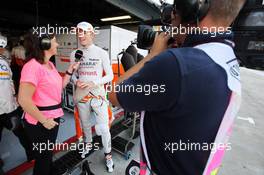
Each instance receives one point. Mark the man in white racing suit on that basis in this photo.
(90, 94)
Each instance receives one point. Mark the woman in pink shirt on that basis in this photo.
(40, 96)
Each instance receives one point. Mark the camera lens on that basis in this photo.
(146, 37)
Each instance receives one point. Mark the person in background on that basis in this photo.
(40, 96)
(18, 56)
(10, 111)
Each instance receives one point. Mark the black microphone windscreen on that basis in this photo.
(78, 55)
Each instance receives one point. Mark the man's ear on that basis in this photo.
(92, 35)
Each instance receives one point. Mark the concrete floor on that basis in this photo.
(247, 139)
(98, 167)
(97, 163)
(13, 154)
(247, 154)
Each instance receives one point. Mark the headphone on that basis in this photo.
(191, 10)
(44, 42)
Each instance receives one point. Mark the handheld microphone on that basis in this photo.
(78, 55)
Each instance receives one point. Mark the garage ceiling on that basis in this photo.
(22, 15)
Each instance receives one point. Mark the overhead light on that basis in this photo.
(116, 18)
(128, 22)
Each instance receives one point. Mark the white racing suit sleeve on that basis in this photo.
(107, 68)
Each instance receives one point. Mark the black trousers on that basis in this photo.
(12, 121)
(42, 138)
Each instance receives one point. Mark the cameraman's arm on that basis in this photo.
(159, 45)
(155, 87)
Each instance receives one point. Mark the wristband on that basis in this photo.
(68, 73)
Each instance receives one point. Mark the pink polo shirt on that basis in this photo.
(48, 85)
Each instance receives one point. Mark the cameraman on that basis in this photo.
(202, 93)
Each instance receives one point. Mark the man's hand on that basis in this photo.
(160, 43)
(83, 85)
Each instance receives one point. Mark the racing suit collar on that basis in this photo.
(196, 39)
(87, 47)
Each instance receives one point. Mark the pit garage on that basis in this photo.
(117, 24)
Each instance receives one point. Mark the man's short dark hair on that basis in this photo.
(225, 10)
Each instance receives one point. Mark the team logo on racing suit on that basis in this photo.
(234, 68)
(87, 73)
(88, 63)
(4, 74)
(91, 63)
(3, 67)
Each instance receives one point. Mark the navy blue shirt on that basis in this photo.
(190, 110)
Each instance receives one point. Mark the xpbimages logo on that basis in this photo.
(49, 146)
(182, 30)
(57, 30)
(146, 89)
(192, 146)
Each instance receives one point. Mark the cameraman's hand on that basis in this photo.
(160, 43)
